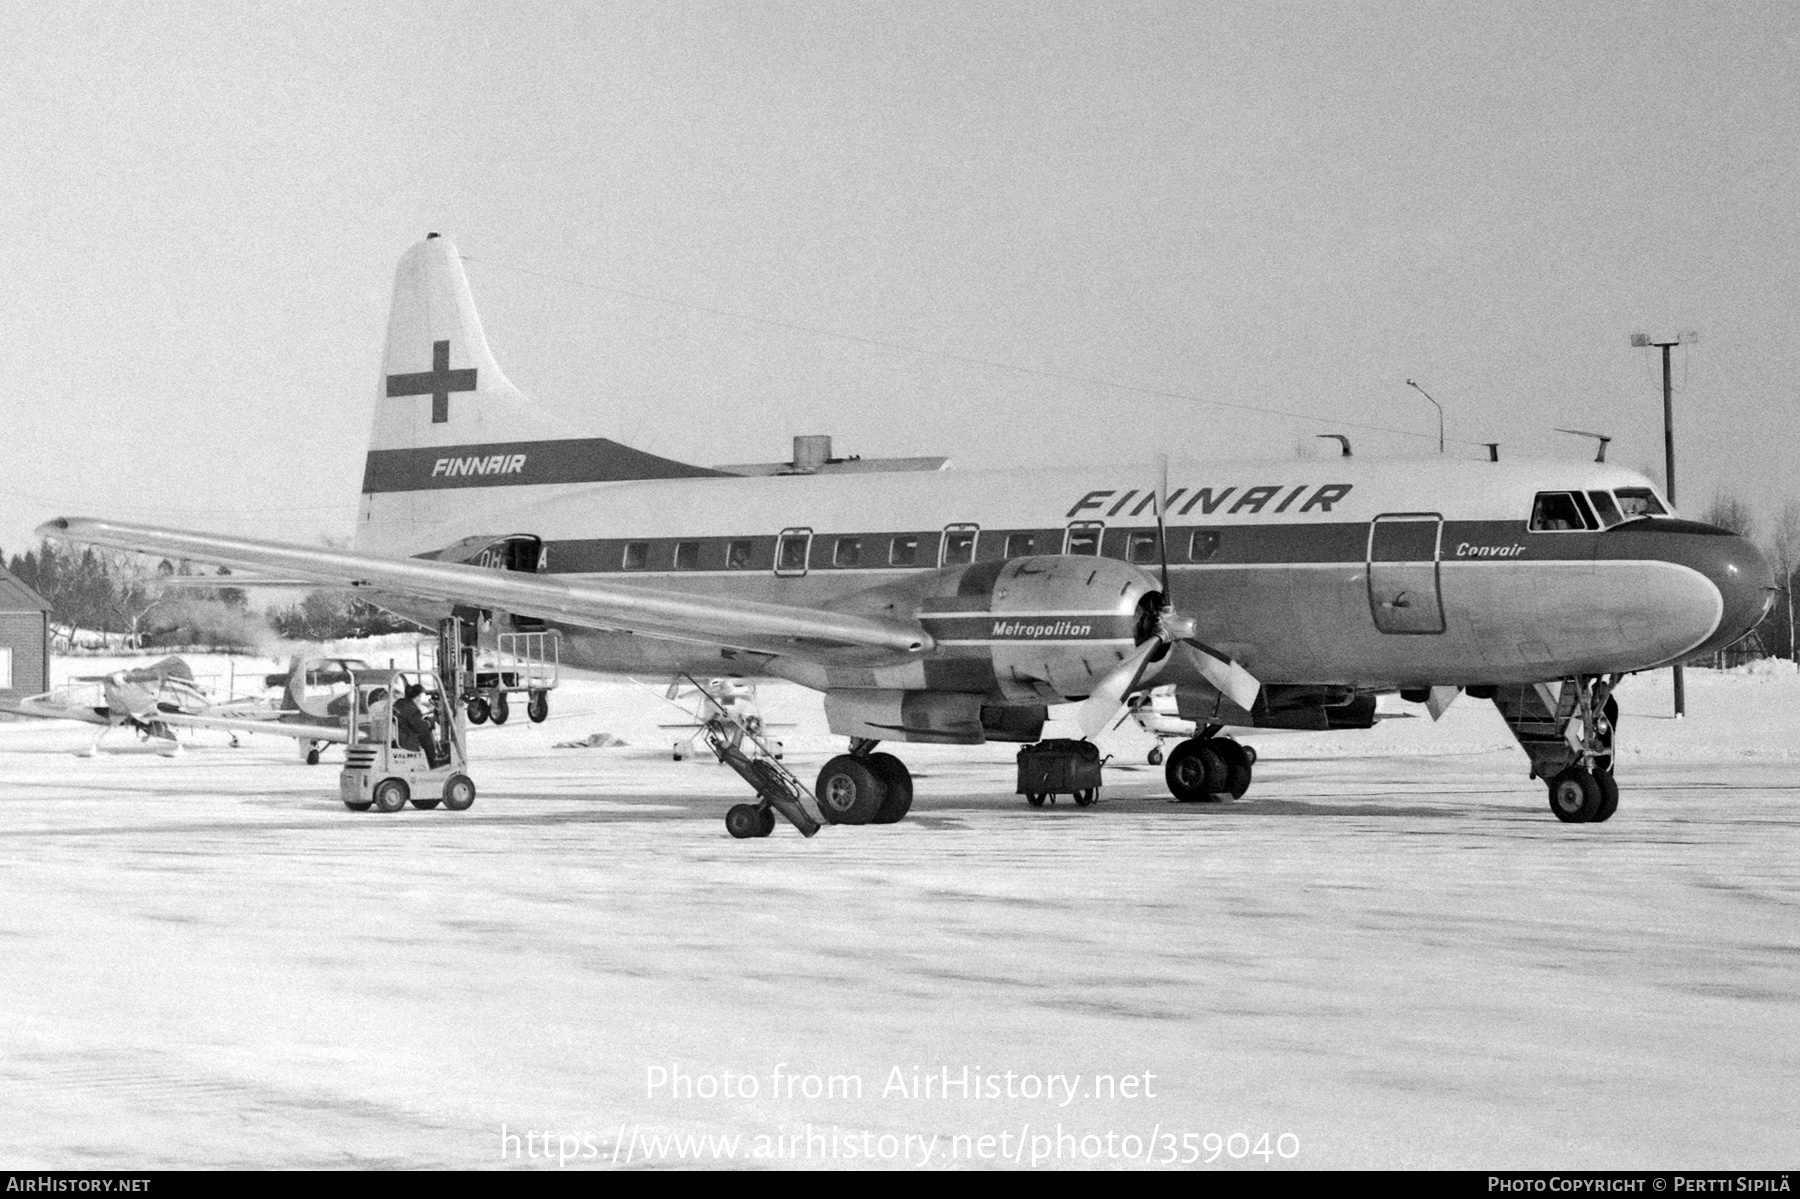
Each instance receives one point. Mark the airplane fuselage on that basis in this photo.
(1366, 573)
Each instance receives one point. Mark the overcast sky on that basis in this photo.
(1284, 206)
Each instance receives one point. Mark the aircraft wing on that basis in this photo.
(709, 620)
(43, 707)
(300, 732)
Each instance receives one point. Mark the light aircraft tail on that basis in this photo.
(293, 684)
(455, 449)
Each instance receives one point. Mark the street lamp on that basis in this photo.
(1440, 409)
(1642, 341)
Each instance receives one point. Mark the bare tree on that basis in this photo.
(1784, 549)
(1732, 514)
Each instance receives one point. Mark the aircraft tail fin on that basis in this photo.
(293, 684)
(454, 444)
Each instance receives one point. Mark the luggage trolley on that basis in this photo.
(1060, 767)
(526, 662)
(378, 772)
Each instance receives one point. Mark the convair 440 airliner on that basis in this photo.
(931, 605)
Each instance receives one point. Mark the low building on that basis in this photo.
(24, 640)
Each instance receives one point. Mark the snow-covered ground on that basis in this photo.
(1389, 951)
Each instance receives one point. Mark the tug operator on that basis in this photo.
(415, 730)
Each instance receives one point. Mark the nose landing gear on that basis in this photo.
(1567, 729)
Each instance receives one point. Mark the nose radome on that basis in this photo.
(1737, 570)
(1745, 580)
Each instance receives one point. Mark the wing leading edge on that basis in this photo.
(710, 620)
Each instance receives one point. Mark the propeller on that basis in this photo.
(1173, 631)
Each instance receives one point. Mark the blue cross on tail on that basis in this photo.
(438, 382)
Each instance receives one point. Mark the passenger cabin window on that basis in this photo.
(1141, 548)
(737, 555)
(1605, 509)
(1203, 545)
(790, 551)
(1557, 512)
(1021, 545)
(637, 555)
(904, 550)
(1639, 501)
(847, 552)
(687, 555)
(959, 544)
(1083, 538)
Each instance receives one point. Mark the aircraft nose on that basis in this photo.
(1740, 571)
(1737, 570)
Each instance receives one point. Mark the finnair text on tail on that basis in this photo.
(493, 464)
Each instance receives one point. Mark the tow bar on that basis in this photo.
(776, 787)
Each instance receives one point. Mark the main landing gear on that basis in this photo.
(1209, 768)
(1567, 729)
(864, 787)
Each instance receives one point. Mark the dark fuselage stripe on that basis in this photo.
(1273, 544)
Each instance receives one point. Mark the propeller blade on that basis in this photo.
(1162, 531)
(1232, 680)
(1098, 708)
(1440, 701)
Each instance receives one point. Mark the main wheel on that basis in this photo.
(1575, 795)
(1035, 798)
(1237, 765)
(898, 780)
(849, 792)
(768, 822)
(459, 792)
(1155, 756)
(312, 756)
(1085, 799)
(477, 710)
(499, 710)
(1609, 796)
(1195, 772)
(744, 821)
(538, 708)
(390, 795)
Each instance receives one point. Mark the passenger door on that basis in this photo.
(1403, 572)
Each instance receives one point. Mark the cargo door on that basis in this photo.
(1403, 572)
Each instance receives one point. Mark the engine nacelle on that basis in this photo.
(1044, 629)
(937, 717)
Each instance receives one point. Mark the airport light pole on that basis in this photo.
(1641, 341)
(1440, 409)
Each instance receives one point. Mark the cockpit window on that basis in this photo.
(1607, 510)
(1557, 511)
(1639, 501)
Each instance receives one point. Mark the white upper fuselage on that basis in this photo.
(1271, 559)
